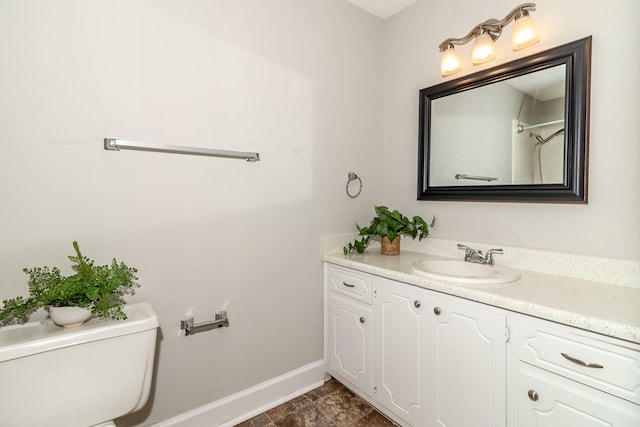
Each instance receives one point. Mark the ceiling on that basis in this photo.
(543, 85)
(382, 8)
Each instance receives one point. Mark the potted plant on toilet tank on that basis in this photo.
(94, 289)
(388, 226)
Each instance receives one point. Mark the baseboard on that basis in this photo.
(241, 406)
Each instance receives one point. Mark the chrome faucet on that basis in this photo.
(476, 256)
(472, 255)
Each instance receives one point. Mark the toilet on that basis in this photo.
(76, 377)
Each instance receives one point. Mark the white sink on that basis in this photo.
(463, 272)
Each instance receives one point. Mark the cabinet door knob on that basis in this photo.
(361, 319)
(437, 311)
(417, 304)
(533, 395)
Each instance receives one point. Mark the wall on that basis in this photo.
(298, 81)
(608, 225)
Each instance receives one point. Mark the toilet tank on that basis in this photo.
(82, 376)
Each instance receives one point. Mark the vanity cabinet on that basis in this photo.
(427, 359)
(431, 355)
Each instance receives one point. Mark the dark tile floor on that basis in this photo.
(330, 405)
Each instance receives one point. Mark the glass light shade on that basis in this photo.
(525, 33)
(483, 49)
(450, 62)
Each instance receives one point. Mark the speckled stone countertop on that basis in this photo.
(604, 308)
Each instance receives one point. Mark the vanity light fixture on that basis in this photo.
(483, 48)
(450, 62)
(524, 34)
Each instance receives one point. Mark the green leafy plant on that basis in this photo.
(98, 288)
(390, 224)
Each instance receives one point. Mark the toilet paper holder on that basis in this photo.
(190, 327)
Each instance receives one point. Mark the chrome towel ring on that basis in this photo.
(353, 177)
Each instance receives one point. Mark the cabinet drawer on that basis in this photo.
(351, 283)
(583, 357)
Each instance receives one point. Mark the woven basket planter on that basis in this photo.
(390, 248)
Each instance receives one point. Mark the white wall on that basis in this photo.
(608, 226)
(298, 81)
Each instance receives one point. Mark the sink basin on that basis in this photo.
(463, 272)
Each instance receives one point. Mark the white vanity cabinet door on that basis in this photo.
(400, 349)
(549, 400)
(350, 346)
(465, 364)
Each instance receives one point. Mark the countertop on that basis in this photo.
(603, 308)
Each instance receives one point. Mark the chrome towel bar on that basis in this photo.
(118, 144)
(476, 177)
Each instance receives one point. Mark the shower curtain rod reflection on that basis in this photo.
(521, 128)
(118, 144)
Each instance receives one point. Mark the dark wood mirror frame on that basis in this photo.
(577, 58)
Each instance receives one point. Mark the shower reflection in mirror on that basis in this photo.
(495, 127)
(538, 143)
(532, 163)
(538, 132)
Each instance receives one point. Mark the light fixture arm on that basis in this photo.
(491, 26)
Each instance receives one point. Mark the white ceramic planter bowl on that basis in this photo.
(69, 317)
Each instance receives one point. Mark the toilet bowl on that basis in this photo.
(76, 377)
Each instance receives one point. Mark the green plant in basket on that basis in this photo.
(391, 225)
(99, 289)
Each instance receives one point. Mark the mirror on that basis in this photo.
(517, 132)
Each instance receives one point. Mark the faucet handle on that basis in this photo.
(488, 257)
(470, 254)
(466, 248)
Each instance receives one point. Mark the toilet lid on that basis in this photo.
(37, 337)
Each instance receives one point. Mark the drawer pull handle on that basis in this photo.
(533, 395)
(417, 304)
(580, 362)
(348, 285)
(361, 319)
(437, 311)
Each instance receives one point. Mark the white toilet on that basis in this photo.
(76, 377)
